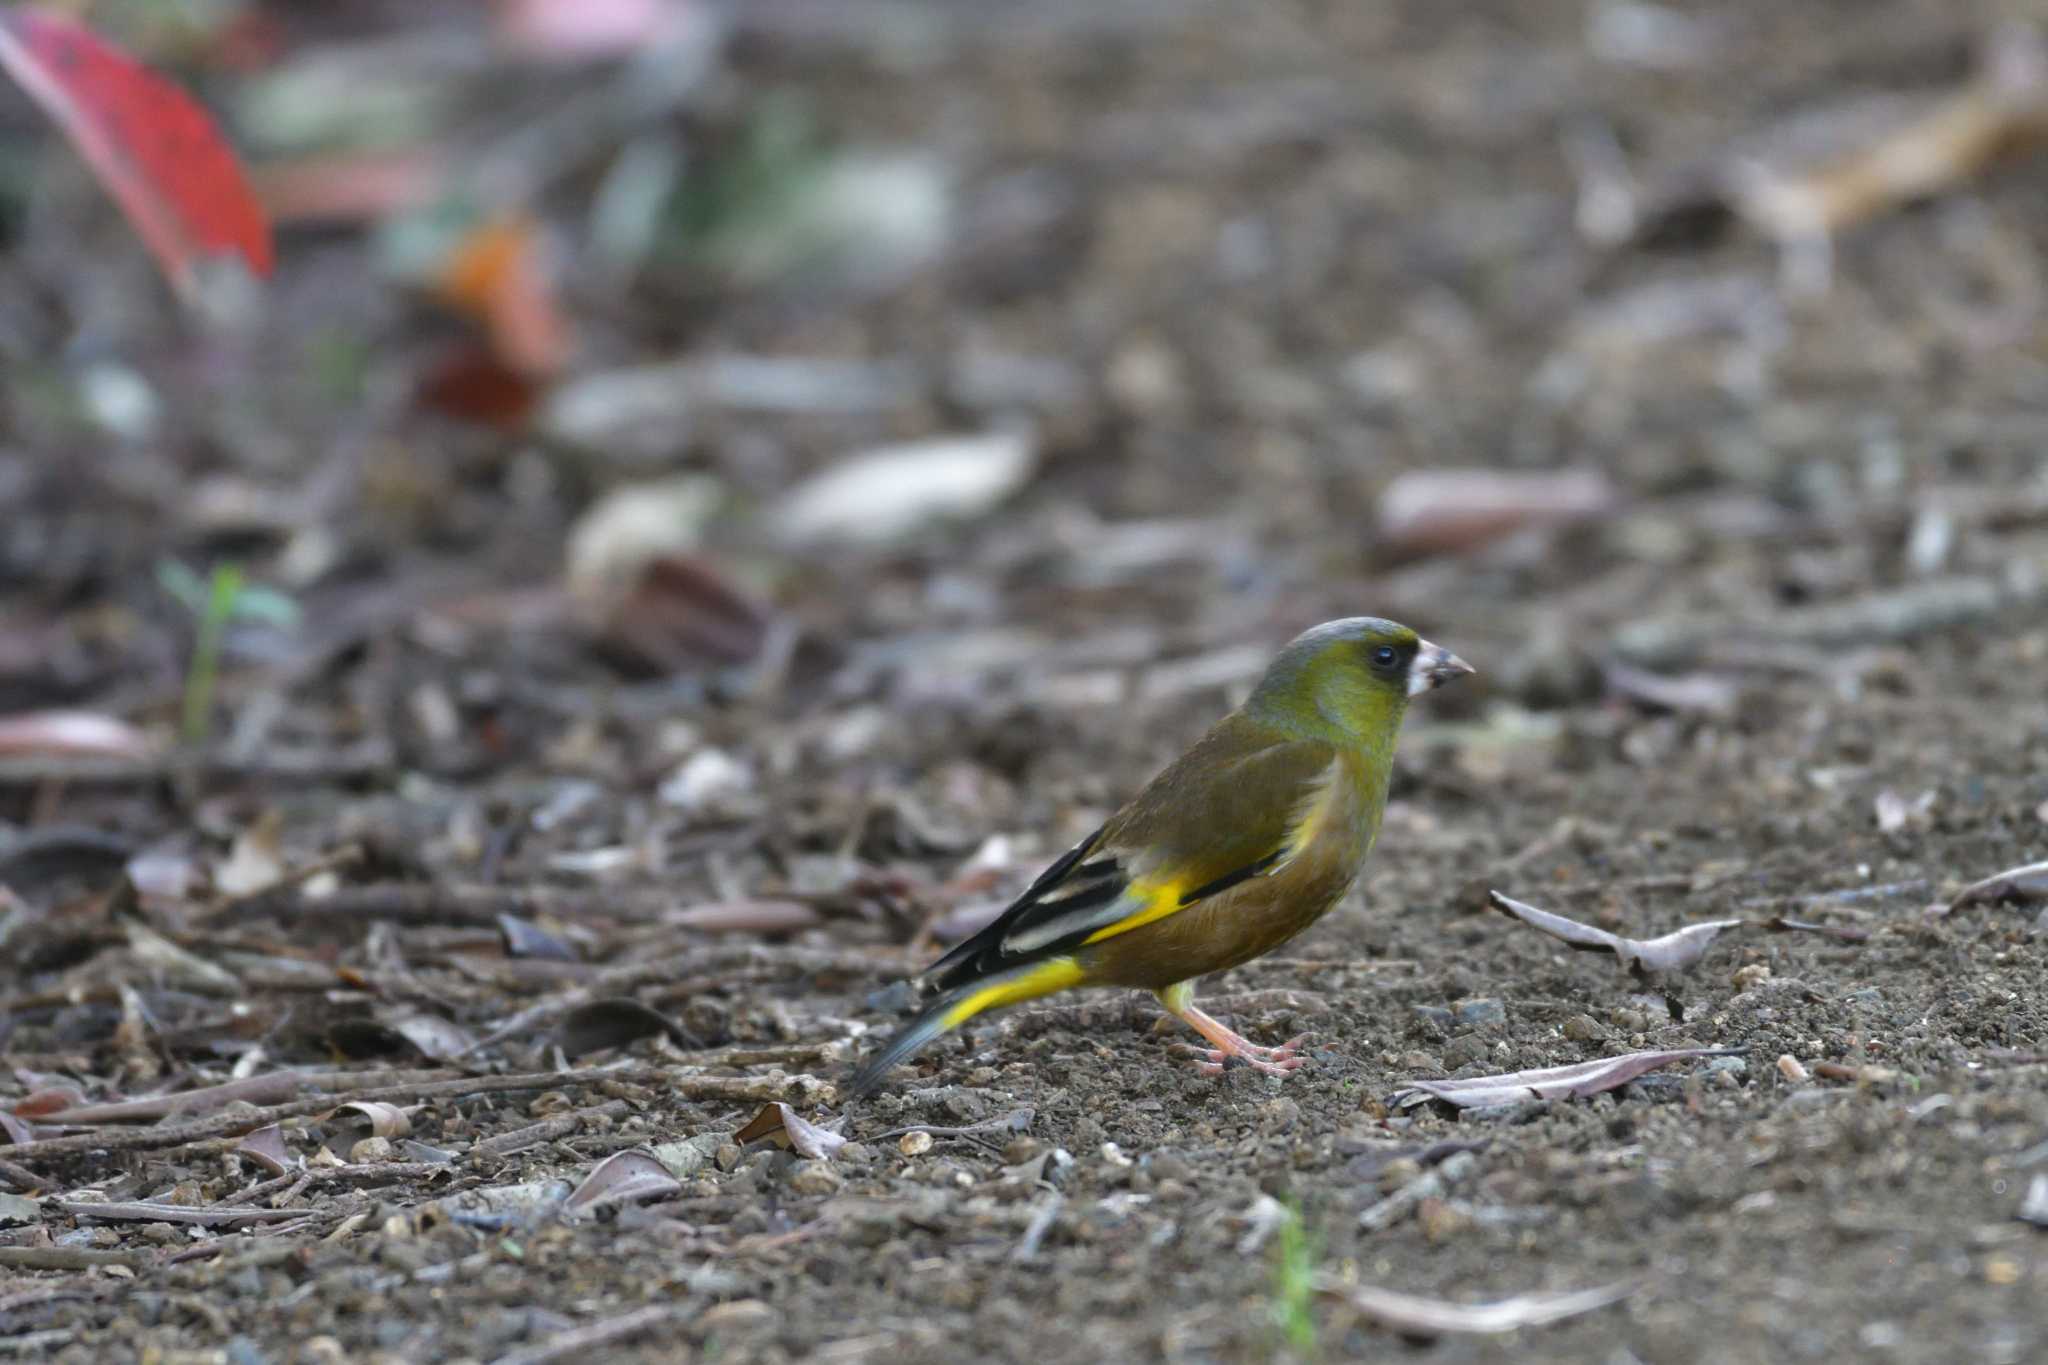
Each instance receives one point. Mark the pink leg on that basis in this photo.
(1226, 1044)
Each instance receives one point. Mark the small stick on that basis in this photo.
(182, 1134)
(578, 1341)
(547, 1130)
(69, 1258)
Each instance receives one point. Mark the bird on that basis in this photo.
(1240, 844)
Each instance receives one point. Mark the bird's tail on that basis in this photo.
(954, 1008)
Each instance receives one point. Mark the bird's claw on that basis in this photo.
(1272, 1061)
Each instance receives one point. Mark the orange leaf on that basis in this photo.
(496, 276)
(149, 143)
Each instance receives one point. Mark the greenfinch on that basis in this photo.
(1247, 839)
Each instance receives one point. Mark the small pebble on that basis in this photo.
(915, 1143)
(1749, 977)
(727, 1156)
(1583, 1028)
(1021, 1149)
(1476, 1013)
(1791, 1069)
(1279, 1115)
(815, 1178)
(370, 1149)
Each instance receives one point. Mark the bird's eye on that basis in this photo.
(1385, 656)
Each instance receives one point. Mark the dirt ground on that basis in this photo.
(1240, 270)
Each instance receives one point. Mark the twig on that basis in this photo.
(432, 903)
(629, 977)
(1016, 1121)
(69, 1258)
(360, 1173)
(547, 1130)
(1041, 1223)
(579, 1341)
(20, 1177)
(180, 1134)
(144, 1212)
(345, 856)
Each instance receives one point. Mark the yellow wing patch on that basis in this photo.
(1163, 898)
(1160, 900)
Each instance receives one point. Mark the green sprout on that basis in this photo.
(214, 603)
(1296, 1252)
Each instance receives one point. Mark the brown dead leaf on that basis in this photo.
(265, 1147)
(789, 1130)
(1441, 511)
(41, 1104)
(613, 1022)
(497, 275)
(745, 917)
(437, 1039)
(623, 1177)
(372, 1118)
(1576, 1081)
(1414, 1315)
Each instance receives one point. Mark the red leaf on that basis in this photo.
(151, 145)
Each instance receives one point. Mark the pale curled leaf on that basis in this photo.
(623, 1177)
(2020, 885)
(1575, 1081)
(1676, 951)
(80, 734)
(782, 1125)
(373, 1118)
(437, 1039)
(1414, 1315)
(1671, 952)
(884, 494)
(1438, 510)
(2034, 1208)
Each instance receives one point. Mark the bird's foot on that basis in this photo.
(1283, 1060)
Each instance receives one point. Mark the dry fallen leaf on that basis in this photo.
(613, 1022)
(436, 1038)
(1414, 1315)
(255, 861)
(622, 1177)
(745, 917)
(786, 1128)
(1896, 812)
(372, 1118)
(80, 734)
(523, 938)
(265, 1147)
(1447, 510)
(2019, 885)
(1576, 1081)
(882, 495)
(1672, 952)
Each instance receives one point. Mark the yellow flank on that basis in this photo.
(1162, 899)
(1054, 974)
(1314, 811)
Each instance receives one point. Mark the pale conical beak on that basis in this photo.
(1433, 667)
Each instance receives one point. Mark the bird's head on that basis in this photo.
(1349, 681)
